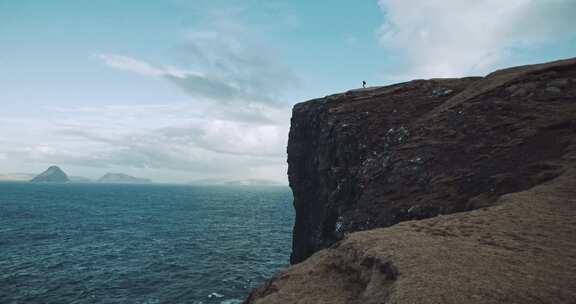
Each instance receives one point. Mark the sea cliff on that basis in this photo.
(474, 178)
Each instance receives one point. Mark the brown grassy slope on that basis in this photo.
(522, 250)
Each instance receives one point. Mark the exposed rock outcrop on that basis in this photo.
(52, 175)
(372, 158)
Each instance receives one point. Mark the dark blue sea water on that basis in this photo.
(90, 243)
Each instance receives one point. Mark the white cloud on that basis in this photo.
(225, 63)
(196, 140)
(445, 38)
(144, 68)
(235, 125)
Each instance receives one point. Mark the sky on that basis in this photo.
(185, 90)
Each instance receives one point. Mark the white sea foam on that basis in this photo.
(215, 295)
(231, 301)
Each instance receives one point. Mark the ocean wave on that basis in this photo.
(88, 248)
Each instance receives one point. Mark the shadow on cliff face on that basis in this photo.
(372, 158)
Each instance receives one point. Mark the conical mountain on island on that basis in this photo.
(52, 175)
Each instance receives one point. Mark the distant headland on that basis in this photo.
(121, 178)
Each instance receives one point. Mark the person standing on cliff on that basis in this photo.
(363, 83)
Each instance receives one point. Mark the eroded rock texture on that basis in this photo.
(374, 157)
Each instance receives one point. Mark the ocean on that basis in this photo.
(97, 243)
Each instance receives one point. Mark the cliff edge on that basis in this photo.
(503, 145)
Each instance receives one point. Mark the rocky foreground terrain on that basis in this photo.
(476, 176)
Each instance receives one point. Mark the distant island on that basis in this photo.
(121, 178)
(56, 175)
(52, 175)
(252, 182)
(245, 182)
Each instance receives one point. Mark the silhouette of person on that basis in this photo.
(363, 84)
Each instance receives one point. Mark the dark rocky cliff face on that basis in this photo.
(375, 157)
